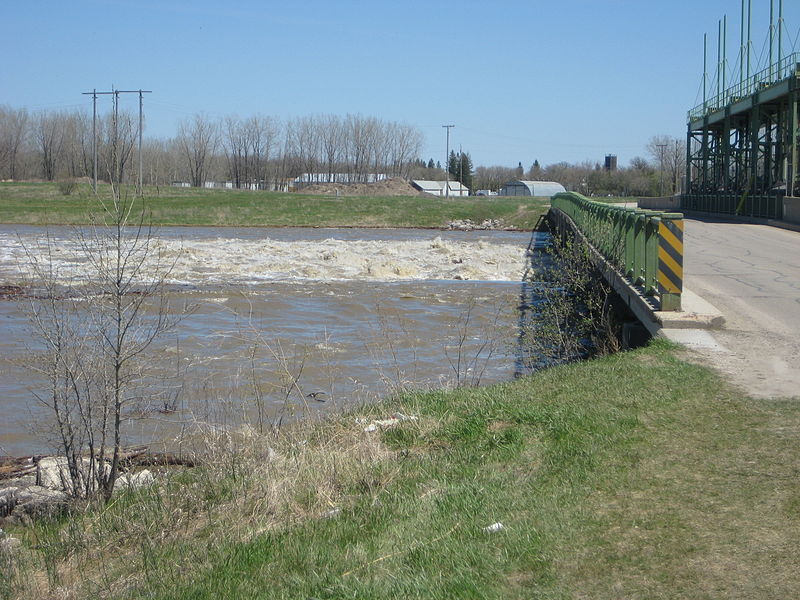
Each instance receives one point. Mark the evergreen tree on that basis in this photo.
(535, 174)
(465, 169)
(431, 164)
(453, 164)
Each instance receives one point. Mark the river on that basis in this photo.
(284, 322)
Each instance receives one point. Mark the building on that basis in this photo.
(611, 162)
(439, 188)
(531, 188)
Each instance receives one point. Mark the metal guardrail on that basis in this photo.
(788, 66)
(644, 245)
(747, 205)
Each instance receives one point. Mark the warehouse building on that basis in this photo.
(531, 188)
(439, 188)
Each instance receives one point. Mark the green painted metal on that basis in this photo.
(743, 145)
(627, 238)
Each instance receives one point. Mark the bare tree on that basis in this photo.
(198, 140)
(96, 335)
(13, 130)
(49, 136)
(669, 156)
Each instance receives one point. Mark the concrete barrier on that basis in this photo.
(669, 203)
(791, 209)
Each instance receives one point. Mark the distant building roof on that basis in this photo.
(531, 188)
(437, 188)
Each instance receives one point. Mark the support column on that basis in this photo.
(792, 150)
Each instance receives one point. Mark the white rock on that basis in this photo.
(8, 545)
(134, 481)
(37, 500)
(52, 472)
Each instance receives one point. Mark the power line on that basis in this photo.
(115, 93)
(447, 162)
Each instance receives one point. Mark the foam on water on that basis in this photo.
(245, 261)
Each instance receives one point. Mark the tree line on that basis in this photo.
(257, 152)
(660, 173)
(262, 152)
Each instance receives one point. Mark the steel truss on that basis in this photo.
(742, 151)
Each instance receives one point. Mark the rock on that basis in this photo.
(52, 472)
(37, 501)
(9, 545)
(468, 225)
(8, 500)
(134, 481)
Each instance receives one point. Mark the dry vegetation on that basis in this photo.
(632, 476)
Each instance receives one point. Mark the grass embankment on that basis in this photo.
(42, 203)
(637, 475)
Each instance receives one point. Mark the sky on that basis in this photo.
(521, 80)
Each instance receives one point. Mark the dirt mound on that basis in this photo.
(394, 186)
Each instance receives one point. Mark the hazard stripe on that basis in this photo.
(669, 237)
(677, 257)
(665, 258)
(670, 256)
(667, 280)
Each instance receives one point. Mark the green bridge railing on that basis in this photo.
(645, 246)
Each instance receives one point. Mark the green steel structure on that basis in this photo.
(645, 247)
(743, 145)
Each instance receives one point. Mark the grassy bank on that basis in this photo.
(633, 476)
(43, 203)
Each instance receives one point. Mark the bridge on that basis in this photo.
(738, 304)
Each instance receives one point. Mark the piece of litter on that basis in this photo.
(390, 422)
(493, 528)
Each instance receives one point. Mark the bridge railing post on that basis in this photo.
(651, 255)
(645, 246)
(670, 261)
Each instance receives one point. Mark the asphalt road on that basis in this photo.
(751, 273)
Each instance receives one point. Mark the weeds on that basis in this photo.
(587, 466)
(565, 310)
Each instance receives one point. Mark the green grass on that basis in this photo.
(42, 203)
(637, 475)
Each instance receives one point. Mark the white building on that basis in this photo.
(439, 188)
(543, 189)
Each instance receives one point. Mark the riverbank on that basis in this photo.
(635, 475)
(43, 203)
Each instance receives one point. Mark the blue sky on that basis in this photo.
(521, 80)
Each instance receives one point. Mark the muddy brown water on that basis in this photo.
(284, 323)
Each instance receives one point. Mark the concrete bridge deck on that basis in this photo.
(751, 273)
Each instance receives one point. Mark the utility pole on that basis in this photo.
(661, 156)
(140, 92)
(460, 169)
(447, 162)
(115, 93)
(94, 93)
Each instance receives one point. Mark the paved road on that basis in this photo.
(752, 274)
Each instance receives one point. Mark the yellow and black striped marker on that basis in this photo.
(670, 263)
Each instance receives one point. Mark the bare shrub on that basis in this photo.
(565, 310)
(67, 186)
(92, 328)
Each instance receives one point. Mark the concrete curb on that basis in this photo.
(697, 313)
